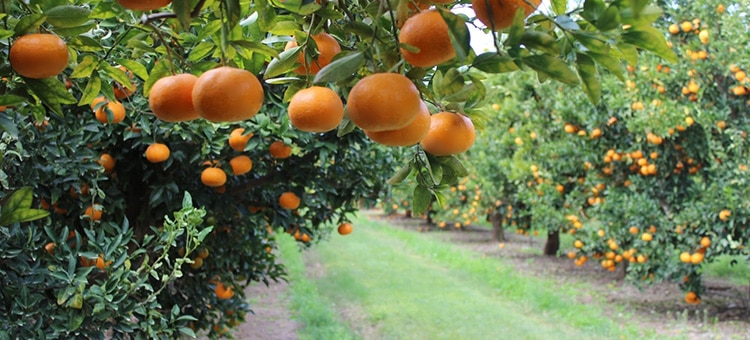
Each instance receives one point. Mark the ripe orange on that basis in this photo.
(647, 237)
(117, 109)
(345, 228)
(157, 153)
(171, 98)
(94, 212)
(428, 32)
(328, 47)
(674, 29)
(143, 5)
(686, 26)
(685, 257)
(316, 109)
(692, 298)
(107, 161)
(696, 258)
(101, 264)
(222, 292)
(213, 177)
(501, 12)
(289, 200)
(197, 263)
(408, 135)
(241, 165)
(740, 75)
(382, 102)
(280, 150)
(121, 92)
(38, 56)
(450, 133)
(705, 242)
(227, 94)
(50, 248)
(238, 140)
(578, 244)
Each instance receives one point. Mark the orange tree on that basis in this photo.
(651, 179)
(156, 135)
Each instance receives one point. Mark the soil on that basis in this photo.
(724, 312)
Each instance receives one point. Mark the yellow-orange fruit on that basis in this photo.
(316, 109)
(499, 14)
(238, 139)
(117, 109)
(171, 98)
(157, 153)
(241, 165)
(289, 200)
(408, 135)
(382, 102)
(428, 32)
(227, 94)
(449, 133)
(280, 150)
(213, 177)
(38, 55)
(327, 47)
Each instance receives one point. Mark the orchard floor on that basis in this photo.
(723, 314)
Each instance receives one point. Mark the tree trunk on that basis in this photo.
(498, 233)
(553, 243)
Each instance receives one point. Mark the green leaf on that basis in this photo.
(345, 128)
(11, 100)
(233, 12)
(67, 16)
(93, 87)
(8, 125)
(421, 199)
(610, 63)
(627, 52)
(610, 19)
(118, 75)
(455, 164)
(650, 39)
(16, 208)
(590, 82)
(182, 9)
(23, 215)
(29, 23)
(254, 47)
(85, 68)
(559, 6)
(551, 67)
(51, 91)
(491, 62)
(341, 68)
(458, 33)
(516, 29)
(286, 61)
(133, 66)
(540, 41)
(160, 70)
(593, 10)
(400, 175)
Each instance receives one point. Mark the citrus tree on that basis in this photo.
(649, 180)
(169, 141)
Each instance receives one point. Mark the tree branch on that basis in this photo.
(147, 18)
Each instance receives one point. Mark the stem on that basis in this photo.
(145, 19)
(164, 42)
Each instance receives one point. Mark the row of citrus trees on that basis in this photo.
(155, 148)
(652, 180)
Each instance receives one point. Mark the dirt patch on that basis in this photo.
(273, 318)
(723, 313)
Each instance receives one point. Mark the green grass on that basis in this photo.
(722, 268)
(412, 287)
(319, 320)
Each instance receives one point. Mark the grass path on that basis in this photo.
(404, 286)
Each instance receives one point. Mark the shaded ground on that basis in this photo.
(272, 319)
(723, 314)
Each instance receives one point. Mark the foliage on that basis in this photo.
(114, 219)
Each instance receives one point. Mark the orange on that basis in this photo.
(213, 177)
(38, 56)
(345, 228)
(674, 29)
(685, 257)
(647, 237)
(692, 298)
(101, 264)
(197, 263)
(238, 140)
(316, 109)
(408, 135)
(117, 109)
(222, 292)
(122, 92)
(289, 200)
(143, 5)
(157, 153)
(500, 13)
(428, 32)
(686, 26)
(328, 47)
(241, 165)
(94, 212)
(696, 258)
(50, 248)
(450, 133)
(705, 242)
(203, 253)
(578, 244)
(280, 150)
(740, 75)
(107, 161)
(383, 101)
(171, 98)
(227, 94)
